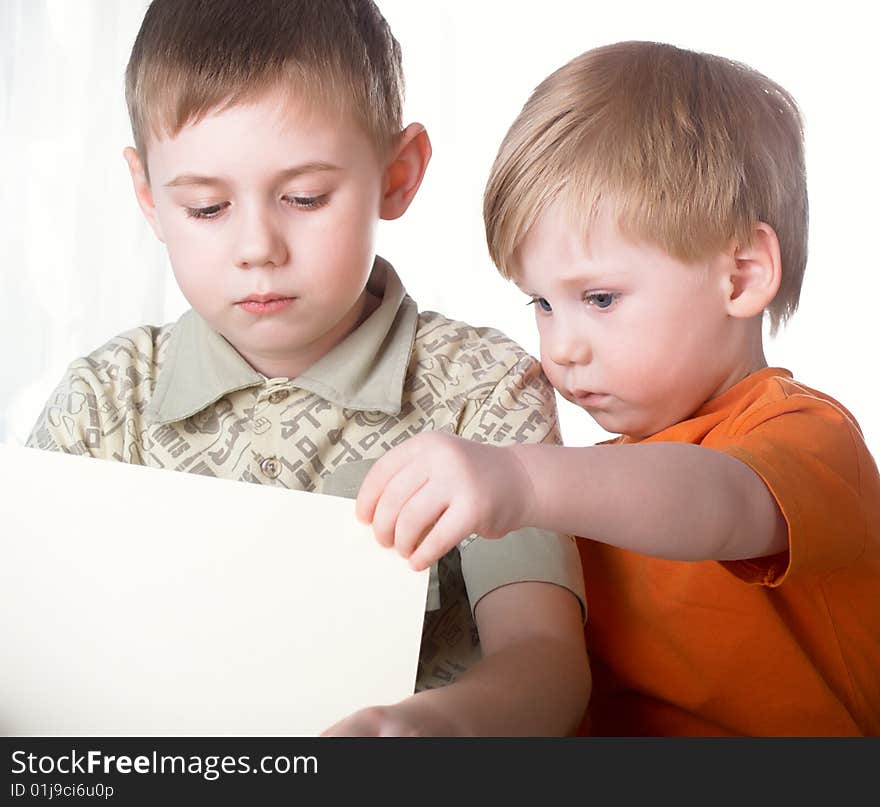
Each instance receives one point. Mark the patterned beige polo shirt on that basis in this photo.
(181, 397)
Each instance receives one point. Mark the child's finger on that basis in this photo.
(377, 478)
(397, 492)
(451, 528)
(417, 518)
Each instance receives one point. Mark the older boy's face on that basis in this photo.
(269, 213)
(635, 337)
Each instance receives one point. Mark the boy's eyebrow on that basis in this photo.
(582, 281)
(282, 176)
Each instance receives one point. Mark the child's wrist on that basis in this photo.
(524, 493)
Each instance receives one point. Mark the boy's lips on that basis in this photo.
(265, 303)
(589, 398)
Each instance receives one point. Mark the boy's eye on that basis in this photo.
(209, 212)
(601, 299)
(213, 211)
(541, 303)
(306, 202)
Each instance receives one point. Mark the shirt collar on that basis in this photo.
(365, 371)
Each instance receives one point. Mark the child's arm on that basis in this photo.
(669, 500)
(533, 679)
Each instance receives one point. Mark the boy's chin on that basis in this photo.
(613, 423)
(606, 421)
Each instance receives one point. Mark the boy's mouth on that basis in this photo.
(265, 303)
(587, 398)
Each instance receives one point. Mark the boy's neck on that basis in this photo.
(747, 358)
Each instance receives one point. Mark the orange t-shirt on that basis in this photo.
(783, 645)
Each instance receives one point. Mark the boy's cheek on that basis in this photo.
(192, 243)
(551, 370)
(196, 271)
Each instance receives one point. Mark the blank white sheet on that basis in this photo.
(144, 602)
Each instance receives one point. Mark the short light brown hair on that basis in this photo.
(191, 57)
(692, 150)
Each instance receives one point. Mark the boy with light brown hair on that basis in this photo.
(269, 143)
(652, 203)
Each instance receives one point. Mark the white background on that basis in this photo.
(79, 265)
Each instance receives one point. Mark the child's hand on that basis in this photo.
(430, 493)
(412, 717)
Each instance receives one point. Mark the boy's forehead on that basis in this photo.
(296, 135)
(559, 230)
(281, 110)
(569, 249)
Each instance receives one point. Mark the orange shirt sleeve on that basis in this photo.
(810, 453)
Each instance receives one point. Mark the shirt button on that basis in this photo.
(278, 396)
(271, 467)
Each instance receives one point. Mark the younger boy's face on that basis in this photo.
(635, 337)
(269, 211)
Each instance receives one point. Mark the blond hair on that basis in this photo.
(191, 57)
(691, 150)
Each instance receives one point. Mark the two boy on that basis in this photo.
(652, 203)
(269, 143)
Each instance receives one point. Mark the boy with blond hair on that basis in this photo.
(269, 143)
(651, 201)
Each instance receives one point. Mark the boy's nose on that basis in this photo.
(566, 348)
(260, 243)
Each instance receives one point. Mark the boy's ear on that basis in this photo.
(753, 278)
(142, 190)
(405, 171)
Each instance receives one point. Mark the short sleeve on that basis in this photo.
(813, 460)
(78, 418)
(73, 420)
(521, 408)
(98, 405)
